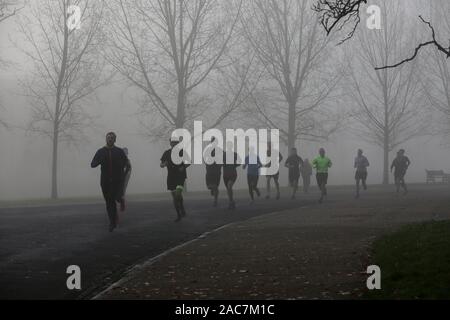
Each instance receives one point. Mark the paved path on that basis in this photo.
(38, 243)
(313, 252)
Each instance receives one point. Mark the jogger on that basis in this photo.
(293, 162)
(114, 166)
(230, 172)
(400, 164)
(274, 176)
(361, 164)
(176, 176)
(213, 172)
(306, 172)
(252, 163)
(321, 164)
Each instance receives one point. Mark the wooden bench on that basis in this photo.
(435, 176)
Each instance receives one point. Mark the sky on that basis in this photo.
(25, 159)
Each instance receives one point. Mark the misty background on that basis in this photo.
(26, 157)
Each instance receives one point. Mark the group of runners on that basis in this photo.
(116, 169)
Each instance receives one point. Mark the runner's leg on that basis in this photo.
(364, 181)
(181, 204)
(277, 185)
(111, 207)
(357, 187)
(118, 198)
(404, 185)
(229, 186)
(294, 187)
(255, 185)
(250, 187)
(319, 184)
(176, 205)
(216, 195)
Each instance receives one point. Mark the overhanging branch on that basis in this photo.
(434, 42)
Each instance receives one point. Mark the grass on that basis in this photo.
(414, 262)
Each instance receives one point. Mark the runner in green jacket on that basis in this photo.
(321, 164)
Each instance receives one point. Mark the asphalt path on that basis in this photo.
(38, 243)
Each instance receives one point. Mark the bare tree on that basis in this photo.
(290, 48)
(335, 14)
(389, 101)
(66, 71)
(436, 70)
(7, 10)
(177, 52)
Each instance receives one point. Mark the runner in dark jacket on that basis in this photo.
(114, 165)
(213, 170)
(361, 164)
(294, 162)
(400, 164)
(176, 177)
(230, 172)
(273, 176)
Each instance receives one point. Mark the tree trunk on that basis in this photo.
(55, 163)
(386, 161)
(181, 106)
(56, 122)
(291, 128)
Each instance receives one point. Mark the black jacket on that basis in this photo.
(114, 164)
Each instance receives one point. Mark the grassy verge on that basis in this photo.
(414, 262)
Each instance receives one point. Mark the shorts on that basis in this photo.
(398, 175)
(173, 182)
(212, 179)
(360, 175)
(229, 176)
(294, 175)
(274, 176)
(322, 178)
(252, 180)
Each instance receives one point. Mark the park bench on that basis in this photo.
(435, 176)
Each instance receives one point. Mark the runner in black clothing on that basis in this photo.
(176, 176)
(230, 173)
(361, 164)
(252, 164)
(213, 172)
(306, 172)
(274, 176)
(114, 166)
(293, 162)
(400, 164)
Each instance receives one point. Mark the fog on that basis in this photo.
(26, 158)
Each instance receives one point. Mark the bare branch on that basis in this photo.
(335, 14)
(434, 42)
